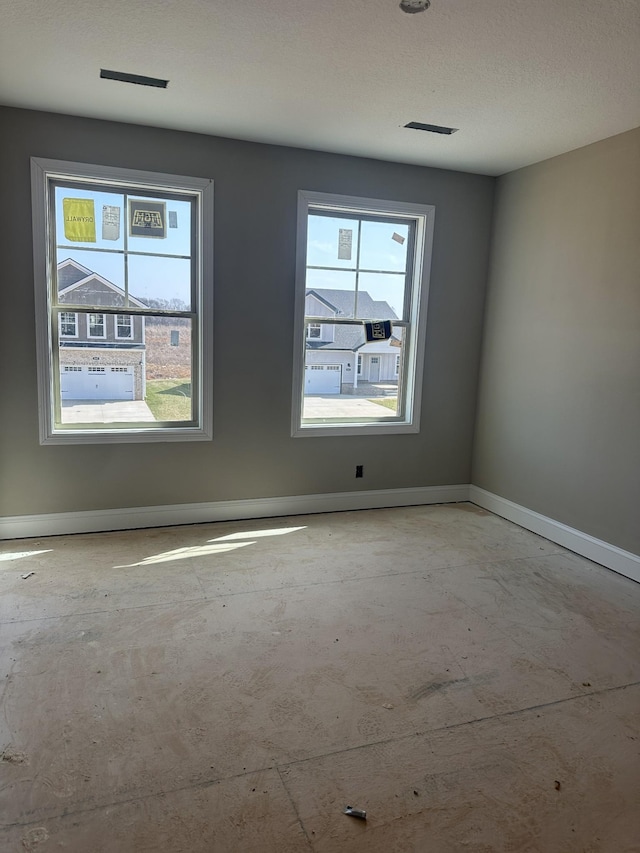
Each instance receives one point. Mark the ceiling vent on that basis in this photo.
(137, 79)
(431, 128)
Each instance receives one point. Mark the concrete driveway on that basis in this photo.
(105, 411)
(343, 406)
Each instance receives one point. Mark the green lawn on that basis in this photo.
(388, 402)
(169, 399)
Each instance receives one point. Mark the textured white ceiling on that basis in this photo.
(523, 80)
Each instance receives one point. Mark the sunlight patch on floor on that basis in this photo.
(221, 545)
(18, 555)
(257, 534)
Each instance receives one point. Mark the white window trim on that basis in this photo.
(317, 337)
(104, 325)
(116, 323)
(75, 323)
(424, 216)
(41, 170)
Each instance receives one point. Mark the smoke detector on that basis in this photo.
(413, 6)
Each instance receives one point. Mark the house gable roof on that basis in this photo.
(341, 301)
(70, 272)
(70, 281)
(344, 338)
(347, 337)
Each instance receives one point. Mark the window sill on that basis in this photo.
(128, 436)
(317, 430)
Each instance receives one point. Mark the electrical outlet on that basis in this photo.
(359, 469)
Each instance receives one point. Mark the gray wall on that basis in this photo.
(252, 454)
(558, 427)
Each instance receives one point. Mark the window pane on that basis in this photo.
(383, 246)
(90, 278)
(96, 326)
(158, 225)
(145, 379)
(380, 296)
(160, 282)
(124, 326)
(169, 369)
(348, 380)
(332, 241)
(89, 217)
(333, 293)
(68, 324)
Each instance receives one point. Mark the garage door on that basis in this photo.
(322, 378)
(96, 383)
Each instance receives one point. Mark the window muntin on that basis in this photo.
(360, 260)
(314, 330)
(101, 260)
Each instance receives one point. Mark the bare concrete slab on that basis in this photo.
(526, 781)
(232, 687)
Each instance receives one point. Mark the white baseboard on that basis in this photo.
(95, 521)
(623, 562)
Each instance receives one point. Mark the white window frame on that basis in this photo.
(423, 215)
(91, 314)
(314, 326)
(359, 364)
(74, 314)
(117, 324)
(45, 171)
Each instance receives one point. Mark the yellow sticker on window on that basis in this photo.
(79, 220)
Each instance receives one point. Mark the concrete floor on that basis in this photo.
(231, 687)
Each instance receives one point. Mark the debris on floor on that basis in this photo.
(388, 706)
(557, 785)
(34, 837)
(13, 756)
(349, 810)
(27, 575)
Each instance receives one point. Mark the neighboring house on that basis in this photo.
(102, 356)
(338, 357)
